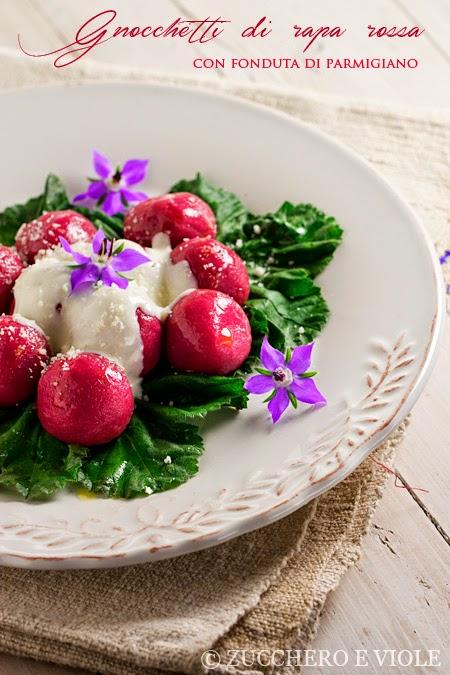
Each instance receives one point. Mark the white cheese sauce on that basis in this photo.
(102, 319)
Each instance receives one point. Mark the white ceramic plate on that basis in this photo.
(373, 358)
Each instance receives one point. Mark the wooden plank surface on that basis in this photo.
(436, 15)
(397, 596)
(20, 16)
(425, 459)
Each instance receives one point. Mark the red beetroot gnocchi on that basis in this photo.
(207, 332)
(215, 266)
(181, 215)
(10, 268)
(44, 232)
(151, 332)
(24, 351)
(84, 399)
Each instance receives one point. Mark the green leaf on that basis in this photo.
(290, 282)
(55, 195)
(287, 323)
(33, 463)
(187, 396)
(294, 236)
(112, 226)
(37, 465)
(134, 464)
(162, 427)
(283, 251)
(230, 212)
(54, 198)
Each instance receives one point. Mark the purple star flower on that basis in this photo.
(105, 265)
(288, 378)
(443, 259)
(110, 190)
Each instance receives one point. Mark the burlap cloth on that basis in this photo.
(264, 590)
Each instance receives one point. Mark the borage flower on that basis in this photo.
(105, 265)
(444, 258)
(110, 190)
(287, 376)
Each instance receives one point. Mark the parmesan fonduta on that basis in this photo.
(102, 319)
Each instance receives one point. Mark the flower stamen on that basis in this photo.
(105, 266)
(283, 377)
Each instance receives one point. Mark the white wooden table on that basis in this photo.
(397, 597)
